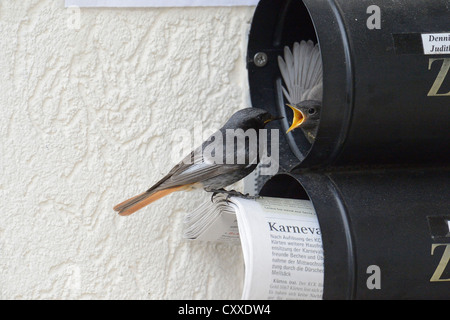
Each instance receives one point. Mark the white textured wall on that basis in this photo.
(86, 120)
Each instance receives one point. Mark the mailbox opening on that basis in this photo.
(270, 35)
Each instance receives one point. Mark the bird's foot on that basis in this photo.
(232, 193)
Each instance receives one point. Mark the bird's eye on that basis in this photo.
(311, 110)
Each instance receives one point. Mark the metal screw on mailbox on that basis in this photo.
(260, 59)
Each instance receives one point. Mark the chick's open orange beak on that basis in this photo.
(298, 118)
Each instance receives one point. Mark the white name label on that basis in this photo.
(436, 43)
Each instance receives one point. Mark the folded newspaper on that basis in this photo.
(280, 239)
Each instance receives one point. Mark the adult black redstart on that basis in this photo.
(200, 169)
(302, 74)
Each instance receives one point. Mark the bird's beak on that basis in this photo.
(298, 118)
(273, 119)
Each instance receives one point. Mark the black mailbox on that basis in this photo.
(378, 172)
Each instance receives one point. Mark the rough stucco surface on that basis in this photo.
(87, 116)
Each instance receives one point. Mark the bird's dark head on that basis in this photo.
(250, 118)
(306, 115)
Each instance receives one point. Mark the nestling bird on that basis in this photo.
(200, 170)
(302, 74)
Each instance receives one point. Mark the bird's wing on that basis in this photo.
(199, 172)
(182, 176)
(195, 167)
(301, 70)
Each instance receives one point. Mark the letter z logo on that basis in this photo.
(440, 77)
(437, 275)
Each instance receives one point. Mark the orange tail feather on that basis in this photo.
(138, 202)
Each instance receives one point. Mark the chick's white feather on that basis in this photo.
(301, 70)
